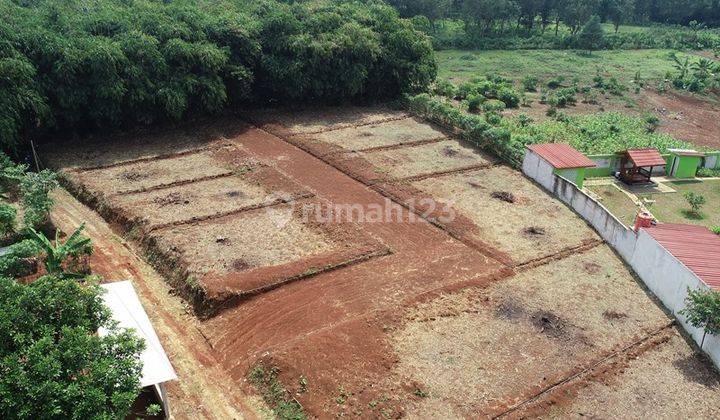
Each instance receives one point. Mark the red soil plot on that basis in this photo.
(331, 326)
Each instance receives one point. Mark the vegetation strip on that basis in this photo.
(587, 370)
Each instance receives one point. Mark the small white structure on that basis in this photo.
(123, 302)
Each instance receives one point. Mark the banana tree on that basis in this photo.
(57, 253)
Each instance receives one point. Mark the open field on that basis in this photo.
(685, 116)
(404, 315)
(670, 207)
(546, 64)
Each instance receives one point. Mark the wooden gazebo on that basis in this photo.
(636, 165)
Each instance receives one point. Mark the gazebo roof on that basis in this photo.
(645, 157)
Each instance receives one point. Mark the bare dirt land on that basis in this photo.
(510, 306)
(687, 117)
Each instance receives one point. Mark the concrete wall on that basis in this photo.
(712, 160)
(661, 272)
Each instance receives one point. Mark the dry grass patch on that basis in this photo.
(197, 200)
(389, 133)
(425, 159)
(529, 226)
(482, 351)
(153, 173)
(258, 238)
(668, 381)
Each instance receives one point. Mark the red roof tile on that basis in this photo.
(645, 157)
(695, 246)
(562, 156)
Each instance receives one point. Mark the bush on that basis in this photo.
(556, 82)
(530, 83)
(474, 102)
(696, 201)
(18, 260)
(73, 67)
(563, 97)
(8, 214)
(715, 230)
(472, 128)
(707, 172)
(493, 105)
(445, 88)
(509, 97)
(601, 133)
(54, 362)
(493, 118)
(35, 189)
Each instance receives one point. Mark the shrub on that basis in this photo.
(715, 230)
(652, 121)
(8, 214)
(493, 118)
(707, 172)
(35, 189)
(493, 105)
(703, 311)
(54, 362)
(474, 102)
(530, 83)
(445, 88)
(563, 97)
(18, 259)
(556, 82)
(696, 201)
(509, 97)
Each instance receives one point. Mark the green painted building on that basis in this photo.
(683, 164)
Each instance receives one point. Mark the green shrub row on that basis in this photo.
(78, 65)
(592, 134)
(602, 133)
(472, 128)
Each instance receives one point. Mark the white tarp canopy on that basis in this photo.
(129, 313)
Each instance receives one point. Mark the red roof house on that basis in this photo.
(695, 246)
(562, 156)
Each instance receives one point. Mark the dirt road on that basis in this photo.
(203, 388)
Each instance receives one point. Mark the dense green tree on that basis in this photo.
(592, 34)
(54, 365)
(77, 66)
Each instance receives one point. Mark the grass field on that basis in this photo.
(668, 207)
(623, 64)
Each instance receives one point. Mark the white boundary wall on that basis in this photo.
(662, 273)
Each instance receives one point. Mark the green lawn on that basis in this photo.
(668, 207)
(545, 64)
(619, 204)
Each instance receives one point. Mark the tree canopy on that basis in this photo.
(54, 365)
(74, 65)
